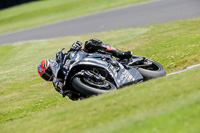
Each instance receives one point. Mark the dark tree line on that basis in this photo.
(8, 3)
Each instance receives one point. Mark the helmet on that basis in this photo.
(45, 70)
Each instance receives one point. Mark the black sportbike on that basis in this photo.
(96, 73)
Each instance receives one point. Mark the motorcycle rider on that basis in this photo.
(49, 69)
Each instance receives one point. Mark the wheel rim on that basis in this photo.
(105, 85)
(153, 67)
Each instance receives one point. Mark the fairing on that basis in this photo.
(119, 74)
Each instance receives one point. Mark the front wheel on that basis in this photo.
(88, 87)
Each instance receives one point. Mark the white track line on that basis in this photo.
(188, 68)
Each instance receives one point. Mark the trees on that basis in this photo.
(8, 3)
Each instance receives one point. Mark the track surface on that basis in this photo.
(140, 14)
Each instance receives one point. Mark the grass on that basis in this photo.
(148, 107)
(168, 104)
(45, 11)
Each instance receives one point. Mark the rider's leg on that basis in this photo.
(118, 53)
(94, 45)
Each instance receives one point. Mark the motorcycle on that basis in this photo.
(97, 73)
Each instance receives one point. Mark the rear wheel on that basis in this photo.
(90, 87)
(150, 69)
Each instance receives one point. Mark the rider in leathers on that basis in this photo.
(49, 69)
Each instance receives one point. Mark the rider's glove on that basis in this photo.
(59, 87)
(76, 46)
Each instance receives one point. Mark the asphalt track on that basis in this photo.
(140, 14)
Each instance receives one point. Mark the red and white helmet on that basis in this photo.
(45, 70)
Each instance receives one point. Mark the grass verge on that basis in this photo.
(44, 11)
(168, 104)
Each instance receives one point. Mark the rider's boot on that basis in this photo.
(118, 53)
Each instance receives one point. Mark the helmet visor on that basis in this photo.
(47, 75)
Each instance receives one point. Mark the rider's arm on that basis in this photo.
(58, 85)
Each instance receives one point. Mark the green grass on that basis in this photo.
(44, 11)
(161, 105)
(168, 104)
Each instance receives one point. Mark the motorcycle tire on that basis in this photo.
(89, 90)
(154, 71)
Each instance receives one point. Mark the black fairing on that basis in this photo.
(109, 68)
